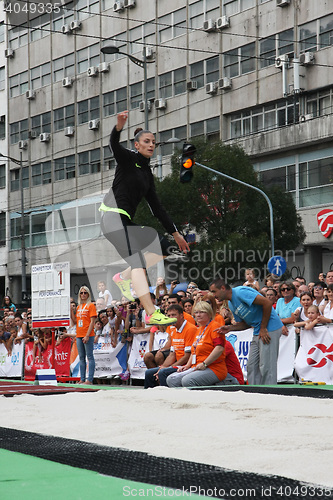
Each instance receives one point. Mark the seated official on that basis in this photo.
(206, 365)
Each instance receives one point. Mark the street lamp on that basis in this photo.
(159, 157)
(23, 258)
(113, 49)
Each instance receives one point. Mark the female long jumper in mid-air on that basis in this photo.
(139, 246)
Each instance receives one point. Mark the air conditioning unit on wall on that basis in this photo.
(209, 25)
(305, 118)
(222, 22)
(23, 144)
(307, 58)
(67, 81)
(142, 106)
(69, 131)
(282, 3)
(92, 71)
(93, 124)
(160, 103)
(44, 137)
(118, 6)
(192, 85)
(211, 88)
(225, 83)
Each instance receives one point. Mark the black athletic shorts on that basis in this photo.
(132, 241)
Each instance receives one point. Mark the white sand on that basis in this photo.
(268, 434)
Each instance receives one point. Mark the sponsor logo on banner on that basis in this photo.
(325, 222)
(318, 357)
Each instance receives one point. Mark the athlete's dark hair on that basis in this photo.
(140, 132)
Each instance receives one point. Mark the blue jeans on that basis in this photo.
(150, 380)
(86, 350)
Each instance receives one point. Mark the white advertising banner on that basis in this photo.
(11, 365)
(140, 346)
(287, 353)
(314, 360)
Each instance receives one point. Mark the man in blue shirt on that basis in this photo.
(251, 309)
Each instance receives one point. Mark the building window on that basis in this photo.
(239, 61)
(86, 8)
(17, 37)
(275, 45)
(64, 17)
(2, 78)
(109, 161)
(41, 123)
(315, 182)
(308, 36)
(2, 31)
(151, 88)
(266, 117)
(15, 179)
(2, 229)
(63, 67)
(326, 31)
(197, 128)
(38, 234)
(64, 117)
(89, 162)
(88, 110)
(135, 39)
(40, 27)
(197, 73)
(41, 173)
(212, 69)
(267, 51)
(121, 99)
(2, 127)
(231, 7)
(87, 57)
(180, 81)
(286, 42)
(18, 84)
(25, 177)
(166, 84)
(135, 94)
(196, 15)
(64, 168)
(108, 104)
(2, 176)
(172, 25)
(19, 131)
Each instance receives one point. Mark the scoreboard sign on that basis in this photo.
(50, 290)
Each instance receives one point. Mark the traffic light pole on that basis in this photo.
(256, 189)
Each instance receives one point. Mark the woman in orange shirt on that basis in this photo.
(85, 320)
(206, 365)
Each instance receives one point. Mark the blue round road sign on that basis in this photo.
(277, 265)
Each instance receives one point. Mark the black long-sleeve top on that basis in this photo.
(133, 181)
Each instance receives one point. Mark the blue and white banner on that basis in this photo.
(241, 341)
(109, 361)
(140, 346)
(11, 364)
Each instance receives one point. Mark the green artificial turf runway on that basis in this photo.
(24, 477)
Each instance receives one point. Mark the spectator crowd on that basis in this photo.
(194, 350)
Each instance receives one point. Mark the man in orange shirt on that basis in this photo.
(173, 299)
(182, 335)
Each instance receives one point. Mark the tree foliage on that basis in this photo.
(231, 221)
